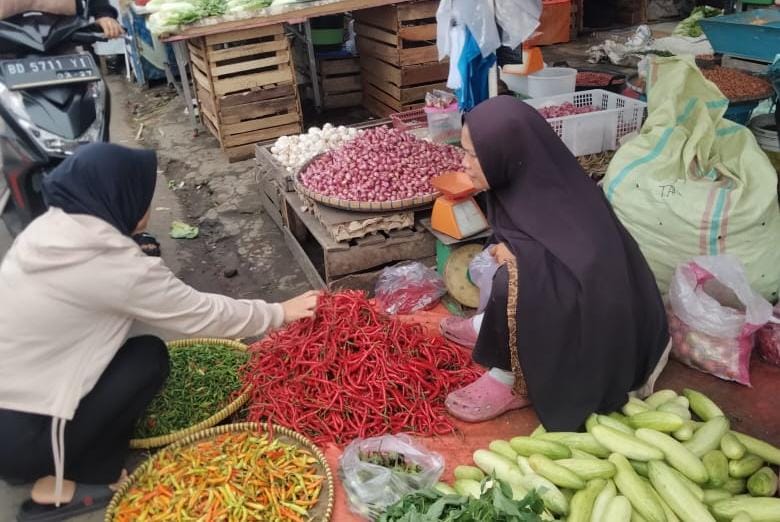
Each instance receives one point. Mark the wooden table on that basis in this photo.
(298, 13)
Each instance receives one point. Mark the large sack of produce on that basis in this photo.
(715, 315)
(693, 183)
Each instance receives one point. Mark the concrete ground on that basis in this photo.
(196, 185)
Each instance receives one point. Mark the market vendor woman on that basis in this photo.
(73, 381)
(589, 325)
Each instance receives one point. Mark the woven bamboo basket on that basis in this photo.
(224, 413)
(321, 512)
(360, 206)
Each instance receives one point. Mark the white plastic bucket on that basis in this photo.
(552, 81)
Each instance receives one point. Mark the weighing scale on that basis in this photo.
(456, 213)
(456, 275)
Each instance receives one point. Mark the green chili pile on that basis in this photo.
(233, 477)
(204, 378)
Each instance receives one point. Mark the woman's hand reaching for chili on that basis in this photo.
(110, 27)
(501, 253)
(301, 307)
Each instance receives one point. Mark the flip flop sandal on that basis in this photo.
(459, 330)
(86, 498)
(484, 399)
(148, 244)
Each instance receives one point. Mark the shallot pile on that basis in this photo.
(381, 164)
(564, 109)
(294, 151)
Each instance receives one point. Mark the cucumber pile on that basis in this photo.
(667, 458)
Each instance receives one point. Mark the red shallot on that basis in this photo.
(564, 109)
(381, 164)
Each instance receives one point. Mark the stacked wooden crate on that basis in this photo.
(246, 88)
(398, 56)
(340, 82)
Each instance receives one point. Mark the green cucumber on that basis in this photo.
(581, 506)
(674, 492)
(707, 437)
(717, 467)
(677, 455)
(526, 446)
(627, 445)
(558, 475)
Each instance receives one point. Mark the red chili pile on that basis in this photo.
(381, 164)
(564, 109)
(354, 372)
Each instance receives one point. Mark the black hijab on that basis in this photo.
(107, 181)
(591, 325)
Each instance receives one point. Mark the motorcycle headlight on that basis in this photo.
(54, 145)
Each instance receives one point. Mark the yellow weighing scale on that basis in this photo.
(456, 275)
(455, 212)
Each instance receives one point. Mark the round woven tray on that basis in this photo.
(224, 413)
(362, 206)
(321, 512)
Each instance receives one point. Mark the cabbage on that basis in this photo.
(690, 26)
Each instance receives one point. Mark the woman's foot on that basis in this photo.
(484, 399)
(459, 330)
(76, 499)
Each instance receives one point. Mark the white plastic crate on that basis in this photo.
(594, 132)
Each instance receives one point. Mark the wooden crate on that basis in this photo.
(398, 56)
(340, 82)
(246, 88)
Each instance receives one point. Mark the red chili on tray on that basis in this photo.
(354, 372)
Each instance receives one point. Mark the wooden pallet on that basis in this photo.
(340, 82)
(327, 262)
(245, 84)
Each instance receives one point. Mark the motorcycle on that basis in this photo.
(52, 100)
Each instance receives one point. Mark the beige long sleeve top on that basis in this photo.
(71, 288)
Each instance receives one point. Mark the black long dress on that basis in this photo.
(590, 322)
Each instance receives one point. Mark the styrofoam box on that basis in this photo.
(598, 131)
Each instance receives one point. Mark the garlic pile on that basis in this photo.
(294, 151)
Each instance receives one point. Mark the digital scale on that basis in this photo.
(455, 212)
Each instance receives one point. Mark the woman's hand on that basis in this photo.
(110, 27)
(501, 253)
(301, 307)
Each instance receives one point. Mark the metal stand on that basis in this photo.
(305, 36)
(182, 61)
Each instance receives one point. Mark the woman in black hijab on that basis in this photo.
(574, 313)
(76, 296)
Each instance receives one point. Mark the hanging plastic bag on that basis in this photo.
(379, 471)
(408, 287)
(481, 271)
(715, 314)
(769, 339)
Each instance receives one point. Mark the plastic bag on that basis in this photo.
(715, 314)
(481, 271)
(769, 339)
(408, 287)
(517, 20)
(371, 487)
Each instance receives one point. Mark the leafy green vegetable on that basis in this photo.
(690, 26)
(495, 504)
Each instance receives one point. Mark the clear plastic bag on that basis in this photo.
(408, 287)
(714, 316)
(481, 271)
(769, 339)
(372, 487)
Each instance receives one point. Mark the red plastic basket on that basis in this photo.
(409, 120)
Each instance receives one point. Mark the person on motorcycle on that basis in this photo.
(105, 17)
(77, 296)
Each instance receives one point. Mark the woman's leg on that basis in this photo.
(96, 439)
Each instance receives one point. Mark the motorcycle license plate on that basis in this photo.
(39, 71)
